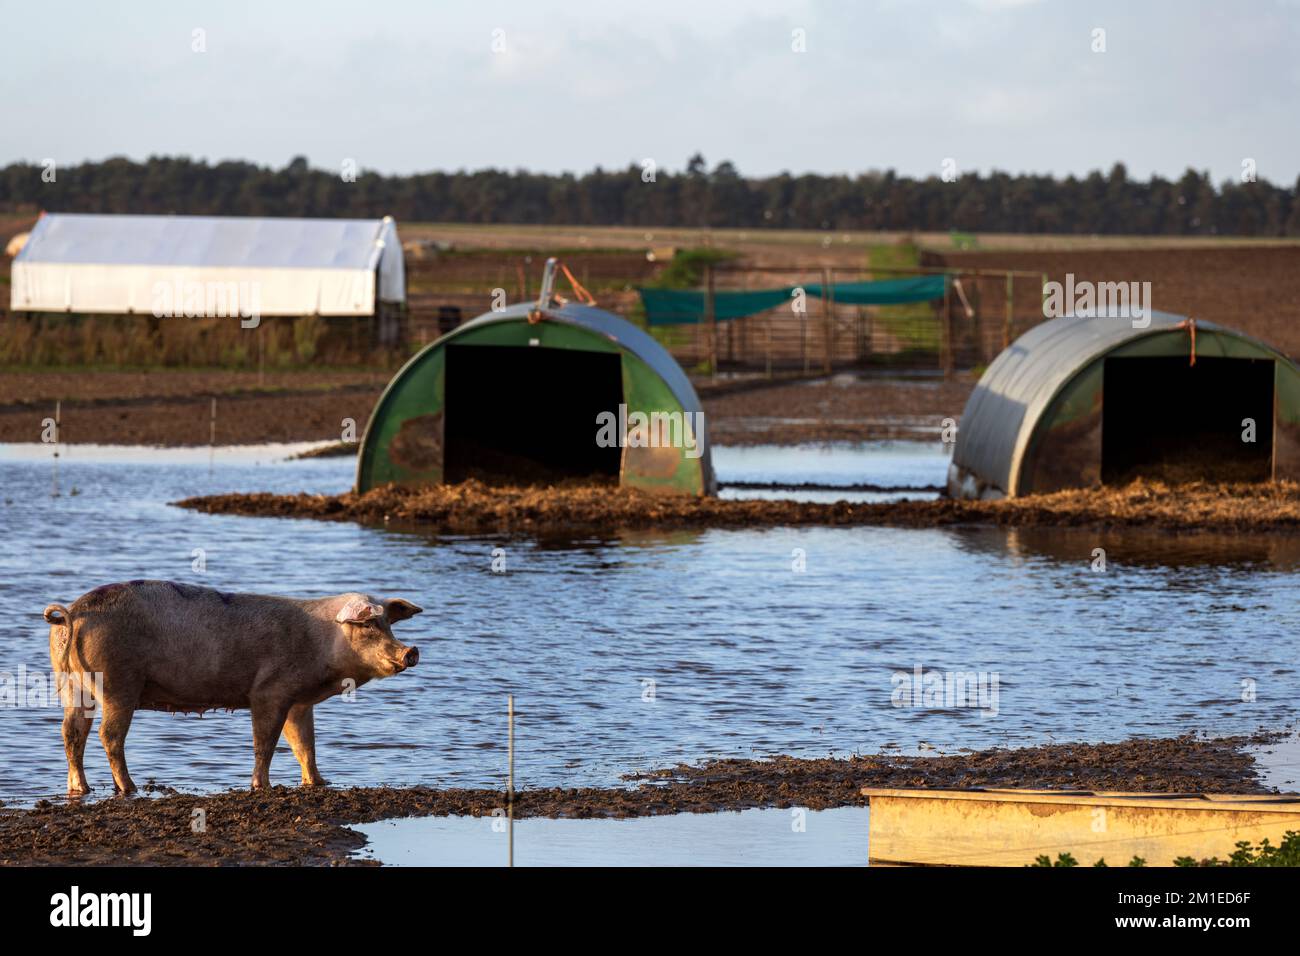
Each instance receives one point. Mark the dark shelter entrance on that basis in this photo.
(1164, 418)
(521, 415)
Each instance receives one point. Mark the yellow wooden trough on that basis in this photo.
(1014, 827)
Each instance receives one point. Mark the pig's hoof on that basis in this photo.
(316, 782)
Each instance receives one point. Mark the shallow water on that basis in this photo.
(900, 465)
(768, 837)
(747, 655)
(892, 463)
(1278, 762)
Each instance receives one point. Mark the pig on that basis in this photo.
(156, 645)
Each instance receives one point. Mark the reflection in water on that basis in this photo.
(773, 837)
(1136, 547)
(747, 655)
(1278, 762)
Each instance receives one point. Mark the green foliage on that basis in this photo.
(1246, 854)
(1067, 859)
(894, 255)
(1285, 854)
(914, 324)
(307, 334)
(687, 269)
(1099, 203)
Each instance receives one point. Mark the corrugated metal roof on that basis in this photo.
(219, 241)
(1015, 390)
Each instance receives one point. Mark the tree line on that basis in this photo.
(1100, 203)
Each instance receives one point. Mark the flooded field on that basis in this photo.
(637, 651)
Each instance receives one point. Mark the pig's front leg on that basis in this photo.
(269, 714)
(300, 729)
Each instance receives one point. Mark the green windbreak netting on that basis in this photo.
(676, 307)
(884, 291)
(680, 307)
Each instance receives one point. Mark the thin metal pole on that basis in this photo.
(1009, 318)
(828, 330)
(212, 435)
(803, 332)
(713, 323)
(945, 333)
(548, 283)
(769, 345)
(510, 787)
(58, 415)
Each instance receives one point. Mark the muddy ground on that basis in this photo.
(840, 408)
(172, 407)
(475, 508)
(309, 826)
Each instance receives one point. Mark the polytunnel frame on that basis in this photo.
(652, 381)
(1027, 390)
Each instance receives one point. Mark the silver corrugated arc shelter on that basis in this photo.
(1081, 401)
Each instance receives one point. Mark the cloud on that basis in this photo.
(883, 83)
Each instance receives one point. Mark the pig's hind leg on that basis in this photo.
(300, 730)
(118, 709)
(78, 714)
(76, 731)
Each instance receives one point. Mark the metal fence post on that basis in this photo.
(1010, 314)
(828, 331)
(713, 321)
(945, 331)
(510, 785)
(803, 331)
(769, 345)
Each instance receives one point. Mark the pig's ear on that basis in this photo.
(358, 611)
(399, 610)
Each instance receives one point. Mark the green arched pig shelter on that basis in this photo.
(518, 394)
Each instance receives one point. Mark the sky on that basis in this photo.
(799, 85)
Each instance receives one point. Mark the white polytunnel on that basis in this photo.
(119, 264)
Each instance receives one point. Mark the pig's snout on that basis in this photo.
(394, 657)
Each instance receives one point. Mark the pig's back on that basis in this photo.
(188, 647)
(184, 616)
